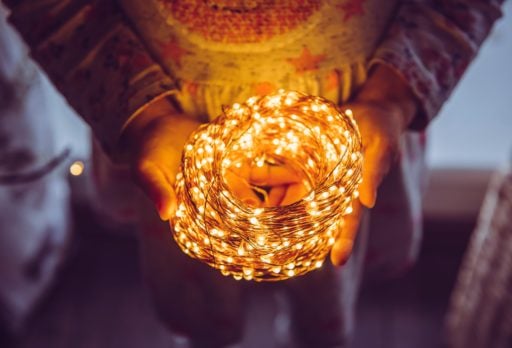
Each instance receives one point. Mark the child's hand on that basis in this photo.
(155, 139)
(383, 110)
(269, 185)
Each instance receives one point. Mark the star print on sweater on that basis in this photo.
(306, 61)
(263, 88)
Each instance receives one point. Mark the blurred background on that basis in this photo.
(472, 135)
(98, 299)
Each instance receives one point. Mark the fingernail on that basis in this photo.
(345, 250)
(165, 213)
(163, 216)
(338, 262)
(374, 199)
(251, 202)
(160, 211)
(343, 260)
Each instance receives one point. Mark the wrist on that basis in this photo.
(152, 112)
(386, 89)
(134, 132)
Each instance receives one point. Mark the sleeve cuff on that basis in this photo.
(95, 60)
(420, 82)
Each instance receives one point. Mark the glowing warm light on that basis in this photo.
(76, 168)
(291, 129)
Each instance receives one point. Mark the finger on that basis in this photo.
(241, 169)
(272, 175)
(377, 162)
(276, 196)
(343, 245)
(294, 193)
(158, 187)
(241, 189)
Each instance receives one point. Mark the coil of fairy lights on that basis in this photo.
(273, 243)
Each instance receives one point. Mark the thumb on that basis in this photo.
(158, 186)
(342, 248)
(377, 162)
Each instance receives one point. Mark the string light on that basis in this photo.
(77, 168)
(287, 129)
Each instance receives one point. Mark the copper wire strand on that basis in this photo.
(305, 133)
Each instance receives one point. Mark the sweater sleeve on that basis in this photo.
(95, 59)
(430, 43)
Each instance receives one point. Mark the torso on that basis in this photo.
(248, 41)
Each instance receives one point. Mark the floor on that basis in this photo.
(99, 300)
(408, 312)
